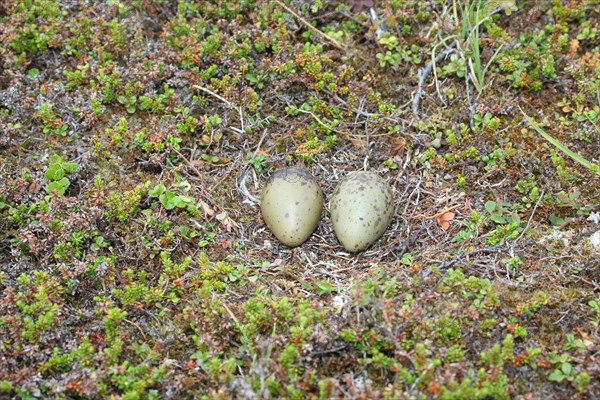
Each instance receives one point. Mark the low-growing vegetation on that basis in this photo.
(135, 137)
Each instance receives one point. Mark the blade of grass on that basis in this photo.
(472, 17)
(592, 167)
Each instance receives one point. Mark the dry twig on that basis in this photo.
(224, 100)
(308, 25)
(423, 74)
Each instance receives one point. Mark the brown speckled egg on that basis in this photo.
(361, 209)
(291, 204)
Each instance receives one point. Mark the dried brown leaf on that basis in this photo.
(443, 219)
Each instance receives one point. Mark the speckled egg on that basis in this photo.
(361, 209)
(291, 204)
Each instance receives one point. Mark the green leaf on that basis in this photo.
(407, 259)
(157, 190)
(168, 200)
(490, 206)
(515, 218)
(567, 368)
(178, 202)
(59, 186)
(185, 199)
(556, 376)
(209, 158)
(69, 167)
(185, 231)
(323, 287)
(184, 185)
(498, 219)
(573, 196)
(556, 221)
(55, 172)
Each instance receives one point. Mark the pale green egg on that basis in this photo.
(361, 209)
(291, 205)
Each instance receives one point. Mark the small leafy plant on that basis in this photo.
(258, 162)
(169, 199)
(56, 174)
(564, 370)
(129, 101)
(52, 122)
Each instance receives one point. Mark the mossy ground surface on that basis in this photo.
(135, 137)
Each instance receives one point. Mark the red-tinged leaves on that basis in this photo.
(226, 244)
(32, 241)
(179, 282)
(34, 188)
(189, 366)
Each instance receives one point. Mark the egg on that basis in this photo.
(291, 204)
(361, 210)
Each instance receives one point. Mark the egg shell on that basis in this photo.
(361, 210)
(291, 205)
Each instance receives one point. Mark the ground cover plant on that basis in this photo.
(135, 137)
